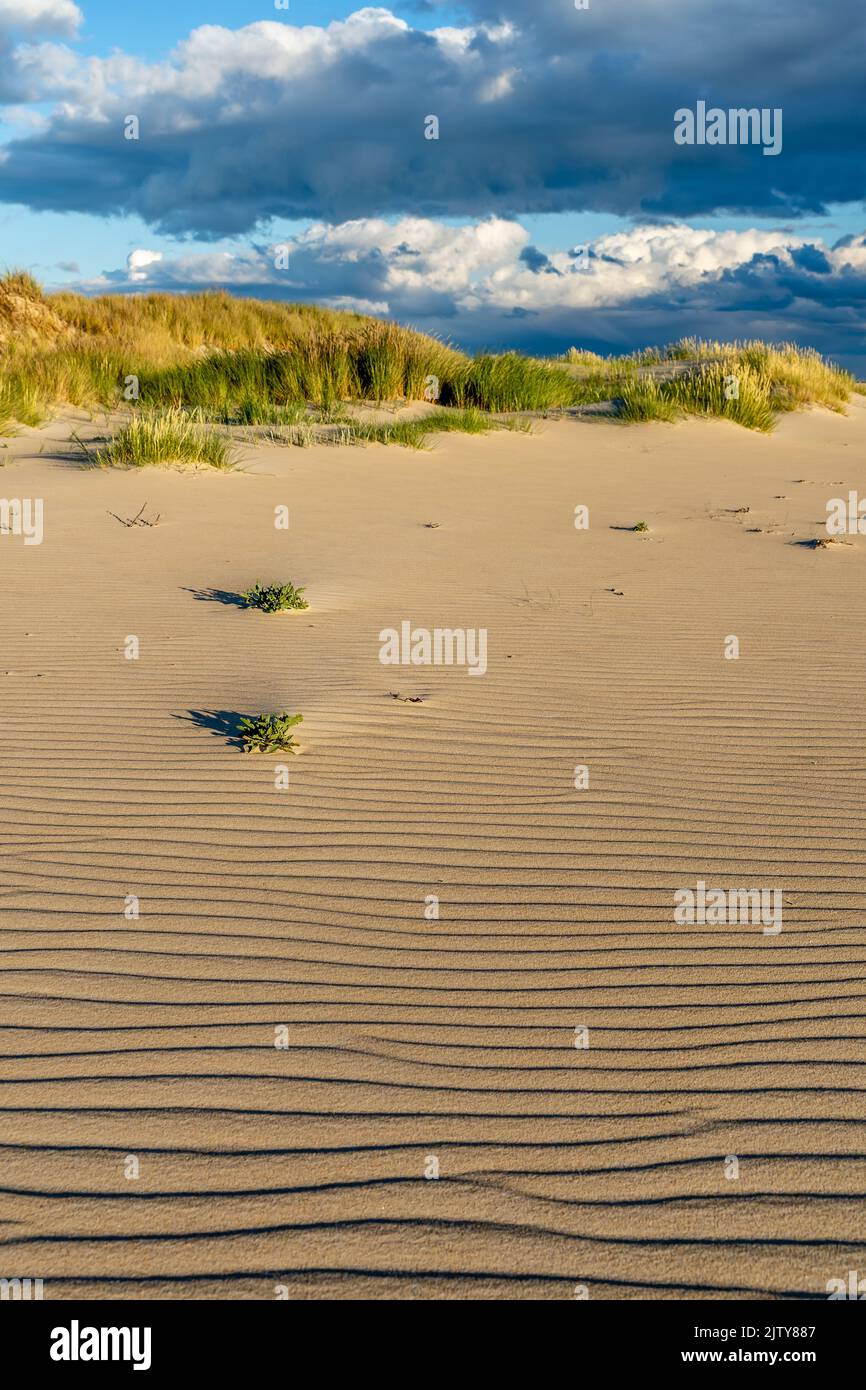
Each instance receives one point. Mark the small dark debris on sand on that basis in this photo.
(138, 520)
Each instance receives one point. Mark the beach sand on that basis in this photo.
(564, 1171)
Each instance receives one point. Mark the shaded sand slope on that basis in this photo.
(411, 1039)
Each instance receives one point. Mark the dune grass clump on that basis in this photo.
(246, 386)
(36, 380)
(611, 384)
(799, 376)
(643, 399)
(269, 733)
(730, 390)
(164, 328)
(253, 410)
(274, 598)
(506, 382)
(748, 382)
(412, 434)
(582, 357)
(393, 364)
(640, 526)
(21, 282)
(265, 385)
(17, 406)
(158, 437)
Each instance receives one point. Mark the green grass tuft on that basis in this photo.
(412, 434)
(730, 390)
(158, 437)
(508, 382)
(644, 400)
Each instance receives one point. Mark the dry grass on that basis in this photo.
(22, 283)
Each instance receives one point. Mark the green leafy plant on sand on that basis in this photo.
(269, 733)
(641, 526)
(274, 598)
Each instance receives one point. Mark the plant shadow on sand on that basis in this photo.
(820, 543)
(225, 596)
(75, 452)
(223, 723)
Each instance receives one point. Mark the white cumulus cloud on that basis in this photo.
(137, 262)
(48, 16)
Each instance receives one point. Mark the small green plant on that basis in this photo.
(274, 598)
(269, 733)
(641, 526)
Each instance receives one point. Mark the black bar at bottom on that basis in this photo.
(232, 1339)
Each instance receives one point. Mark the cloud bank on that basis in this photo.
(484, 284)
(541, 108)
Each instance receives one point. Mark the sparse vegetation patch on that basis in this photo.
(269, 733)
(274, 598)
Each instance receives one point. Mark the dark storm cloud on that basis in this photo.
(536, 260)
(546, 109)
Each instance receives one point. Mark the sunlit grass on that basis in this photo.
(508, 381)
(262, 364)
(413, 434)
(163, 437)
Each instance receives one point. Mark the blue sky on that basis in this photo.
(150, 30)
(556, 206)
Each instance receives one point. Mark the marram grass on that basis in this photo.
(259, 363)
(163, 437)
(508, 382)
(725, 390)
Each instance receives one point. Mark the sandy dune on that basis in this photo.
(453, 1039)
